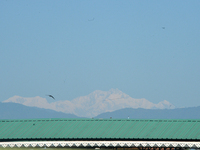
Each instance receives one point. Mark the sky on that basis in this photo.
(146, 49)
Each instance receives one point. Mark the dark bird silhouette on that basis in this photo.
(51, 96)
(163, 27)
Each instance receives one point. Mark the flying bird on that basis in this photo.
(51, 96)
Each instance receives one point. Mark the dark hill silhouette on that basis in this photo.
(18, 111)
(179, 113)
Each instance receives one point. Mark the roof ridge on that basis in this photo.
(89, 119)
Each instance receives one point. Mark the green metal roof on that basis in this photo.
(99, 129)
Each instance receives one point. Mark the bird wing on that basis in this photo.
(51, 96)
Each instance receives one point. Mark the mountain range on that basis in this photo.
(91, 105)
(140, 113)
(19, 111)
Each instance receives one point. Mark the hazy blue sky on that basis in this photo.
(146, 49)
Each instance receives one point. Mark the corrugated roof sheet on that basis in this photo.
(99, 129)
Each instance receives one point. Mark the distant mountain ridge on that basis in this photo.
(93, 104)
(19, 111)
(140, 113)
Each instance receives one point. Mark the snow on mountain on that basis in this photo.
(93, 104)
